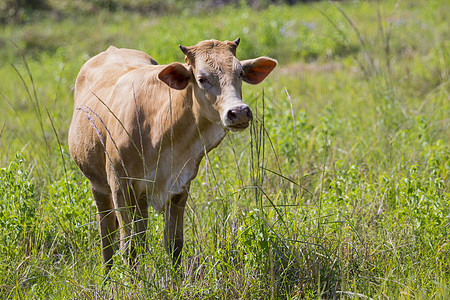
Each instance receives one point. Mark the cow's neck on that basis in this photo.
(211, 133)
(180, 138)
(188, 137)
(189, 131)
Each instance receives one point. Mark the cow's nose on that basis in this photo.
(240, 114)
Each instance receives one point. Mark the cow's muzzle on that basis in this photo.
(238, 118)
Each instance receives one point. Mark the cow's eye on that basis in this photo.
(202, 80)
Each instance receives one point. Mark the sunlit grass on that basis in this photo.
(339, 190)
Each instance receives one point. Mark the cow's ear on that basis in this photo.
(256, 70)
(175, 75)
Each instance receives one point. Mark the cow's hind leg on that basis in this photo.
(107, 224)
(173, 232)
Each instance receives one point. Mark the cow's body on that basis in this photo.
(139, 131)
(131, 93)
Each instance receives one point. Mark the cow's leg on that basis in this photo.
(133, 218)
(140, 222)
(107, 224)
(173, 232)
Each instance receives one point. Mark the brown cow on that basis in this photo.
(139, 131)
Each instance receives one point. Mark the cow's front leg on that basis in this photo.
(140, 222)
(107, 224)
(132, 214)
(173, 232)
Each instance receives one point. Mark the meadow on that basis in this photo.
(340, 188)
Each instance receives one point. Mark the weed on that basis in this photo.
(339, 190)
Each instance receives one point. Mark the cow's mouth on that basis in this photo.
(238, 127)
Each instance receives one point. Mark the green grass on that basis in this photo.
(339, 189)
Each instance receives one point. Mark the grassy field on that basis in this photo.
(340, 189)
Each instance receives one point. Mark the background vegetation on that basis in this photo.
(339, 190)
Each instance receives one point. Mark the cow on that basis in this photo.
(140, 130)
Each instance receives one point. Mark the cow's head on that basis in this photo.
(217, 77)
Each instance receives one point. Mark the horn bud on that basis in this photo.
(184, 49)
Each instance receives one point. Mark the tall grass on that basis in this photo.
(338, 190)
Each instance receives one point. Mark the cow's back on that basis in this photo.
(94, 85)
(99, 74)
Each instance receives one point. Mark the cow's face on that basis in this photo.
(217, 77)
